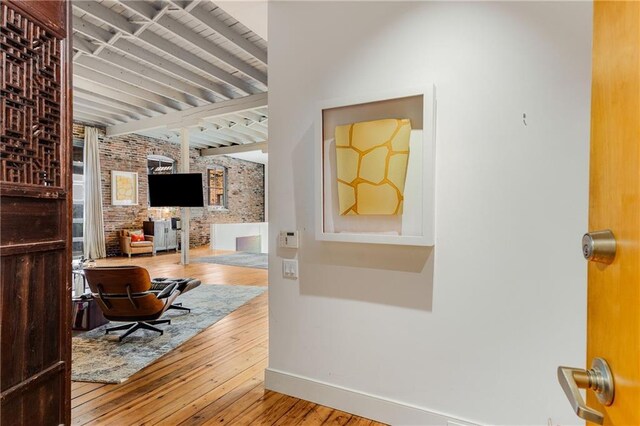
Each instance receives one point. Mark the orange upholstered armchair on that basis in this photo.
(135, 242)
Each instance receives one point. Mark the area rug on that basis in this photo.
(101, 358)
(247, 260)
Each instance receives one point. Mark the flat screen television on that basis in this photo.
(176, 190)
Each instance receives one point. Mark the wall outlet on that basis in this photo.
(290, 269)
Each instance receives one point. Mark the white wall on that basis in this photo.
(475, 328)
(223, 235)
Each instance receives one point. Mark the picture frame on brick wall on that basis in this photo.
(124, 188)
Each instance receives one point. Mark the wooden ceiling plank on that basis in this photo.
(100, 105)
(116, 103)
(221, 28)
(137, 80)
(105, 90)
(182, 31)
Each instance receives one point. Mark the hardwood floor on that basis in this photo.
(217, 377)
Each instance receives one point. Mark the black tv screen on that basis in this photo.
(176, 190)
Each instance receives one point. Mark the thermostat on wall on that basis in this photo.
(289, 239)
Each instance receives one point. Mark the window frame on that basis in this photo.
(78, 181)
(163, 161)
(225, 194)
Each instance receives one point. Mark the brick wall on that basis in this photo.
(245, 186)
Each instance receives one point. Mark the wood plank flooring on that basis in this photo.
(217, 377)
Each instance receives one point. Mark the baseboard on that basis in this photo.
(355, 402)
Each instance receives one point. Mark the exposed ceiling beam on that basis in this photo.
(260, 126)
(251, 115)
(83, 45)
(99, 112)
(103, 106)
(128, 48)
(249, 119)
(235, 149)
(213, 49)
(211, 131)
(87, 86)
(90, 30)
(203, 141)
(162, 63)
(236, 127)
(204, 16)
(87, 121)
(141, 7)
(191, 117)
(106, 15)
(239, 137)
(157, 76)
(196, 140)
(119, 22)
(121, 74)
(140, 67)
(121, 86)
(196, 62)
(187, 5)
(92, 117)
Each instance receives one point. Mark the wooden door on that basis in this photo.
(35, 212)
(613, 329)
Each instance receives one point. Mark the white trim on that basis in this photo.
(356, 402)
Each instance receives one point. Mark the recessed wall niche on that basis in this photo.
(375, 168)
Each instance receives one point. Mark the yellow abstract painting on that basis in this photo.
(125, 187)
(371, 165)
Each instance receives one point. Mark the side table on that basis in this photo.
(87, 315)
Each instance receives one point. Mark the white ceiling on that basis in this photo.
(253, 14)
(155, 66)
(253, 156)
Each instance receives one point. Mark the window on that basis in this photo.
(159, 164)
(217, 185)
(78, 199)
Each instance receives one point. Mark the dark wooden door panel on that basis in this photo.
(30, 310)
(36, 403)
(42, 215)
(35, 213)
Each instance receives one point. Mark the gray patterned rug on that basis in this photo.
(101, 358)
(247, 260)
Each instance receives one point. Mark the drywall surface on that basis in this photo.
(475, 327)
(223, 235)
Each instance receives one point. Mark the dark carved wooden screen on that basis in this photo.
(35, 202)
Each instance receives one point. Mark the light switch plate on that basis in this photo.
(290, 268)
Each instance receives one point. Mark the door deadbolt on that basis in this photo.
(599, 246)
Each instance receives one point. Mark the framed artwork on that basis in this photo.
(375, 169)
(124, 188)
